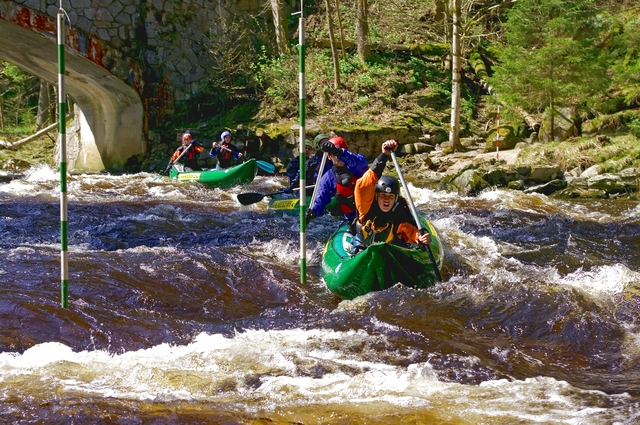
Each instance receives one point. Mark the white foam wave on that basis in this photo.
(270, 370)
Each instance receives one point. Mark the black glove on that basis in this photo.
(295, 183)
(330, 148)
(311, 214)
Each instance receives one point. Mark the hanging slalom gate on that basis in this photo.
(62, 142)
(303, 170)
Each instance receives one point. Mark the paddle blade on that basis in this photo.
(250, 198)
(266, 167)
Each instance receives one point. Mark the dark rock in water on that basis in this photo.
(6, 178)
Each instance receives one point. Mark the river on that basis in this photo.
(186, 307)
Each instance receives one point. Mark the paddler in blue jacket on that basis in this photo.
(311, 166)
(347, 168)
(225, 151)
(383, 215)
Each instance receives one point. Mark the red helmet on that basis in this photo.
(338, 142)
(186, 138)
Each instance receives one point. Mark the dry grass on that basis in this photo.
(622, 151)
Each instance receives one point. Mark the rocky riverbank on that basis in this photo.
(475, 170)
(472, 171)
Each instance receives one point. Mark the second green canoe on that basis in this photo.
(240, 174)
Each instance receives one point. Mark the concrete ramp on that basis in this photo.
(108, 113)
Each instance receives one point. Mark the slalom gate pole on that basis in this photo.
(498, 135)
(62, 142)
(303, 171)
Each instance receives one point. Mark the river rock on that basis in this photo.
(563, 126)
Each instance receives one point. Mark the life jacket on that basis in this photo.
(191, 153)
(225, 157)
(225, 154)
(386, 233)
(345, 185)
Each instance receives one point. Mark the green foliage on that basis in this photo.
(634, 126)
(37, 151)
(623, 121)
(625, 48)
(19, 95)
(239, 114)
(552, 57)
(277, 77)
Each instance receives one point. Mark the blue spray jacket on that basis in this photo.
(355, 164)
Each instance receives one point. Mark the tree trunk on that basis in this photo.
(531, 121)
(280, 25)
(439, 12)
(344, 54)
(362, 29)
(454, 133)
(446, 10)
(44, 100)
(551, 119)
(1, 114)
(15, 144)
(334, 49)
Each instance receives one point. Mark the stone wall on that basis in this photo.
(159, 47)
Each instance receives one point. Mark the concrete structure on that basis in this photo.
(128, 64)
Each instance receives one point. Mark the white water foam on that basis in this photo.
(270, 370)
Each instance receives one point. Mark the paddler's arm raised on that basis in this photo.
(366, 185)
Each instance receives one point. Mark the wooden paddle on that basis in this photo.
(415, 214)
(253, 197)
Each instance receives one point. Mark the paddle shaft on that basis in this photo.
(414, 213)
(320, 170)
(253, 197)
(293, 190)
(173, 162)
(263, 165)
(224, 148)
(246, 143)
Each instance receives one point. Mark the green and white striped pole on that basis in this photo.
(62, 142)
(303, 171)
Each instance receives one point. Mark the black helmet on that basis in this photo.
(388, 184)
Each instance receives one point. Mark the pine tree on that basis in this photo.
(552, 58)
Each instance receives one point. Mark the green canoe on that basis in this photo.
(240, 174)
(380, 266)
(286, 204)
(290, 204)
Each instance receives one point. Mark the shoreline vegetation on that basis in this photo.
(575, 136)
(599, 168)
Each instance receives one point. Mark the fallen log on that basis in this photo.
(427, 49)
(532, 122)
(8, 145)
